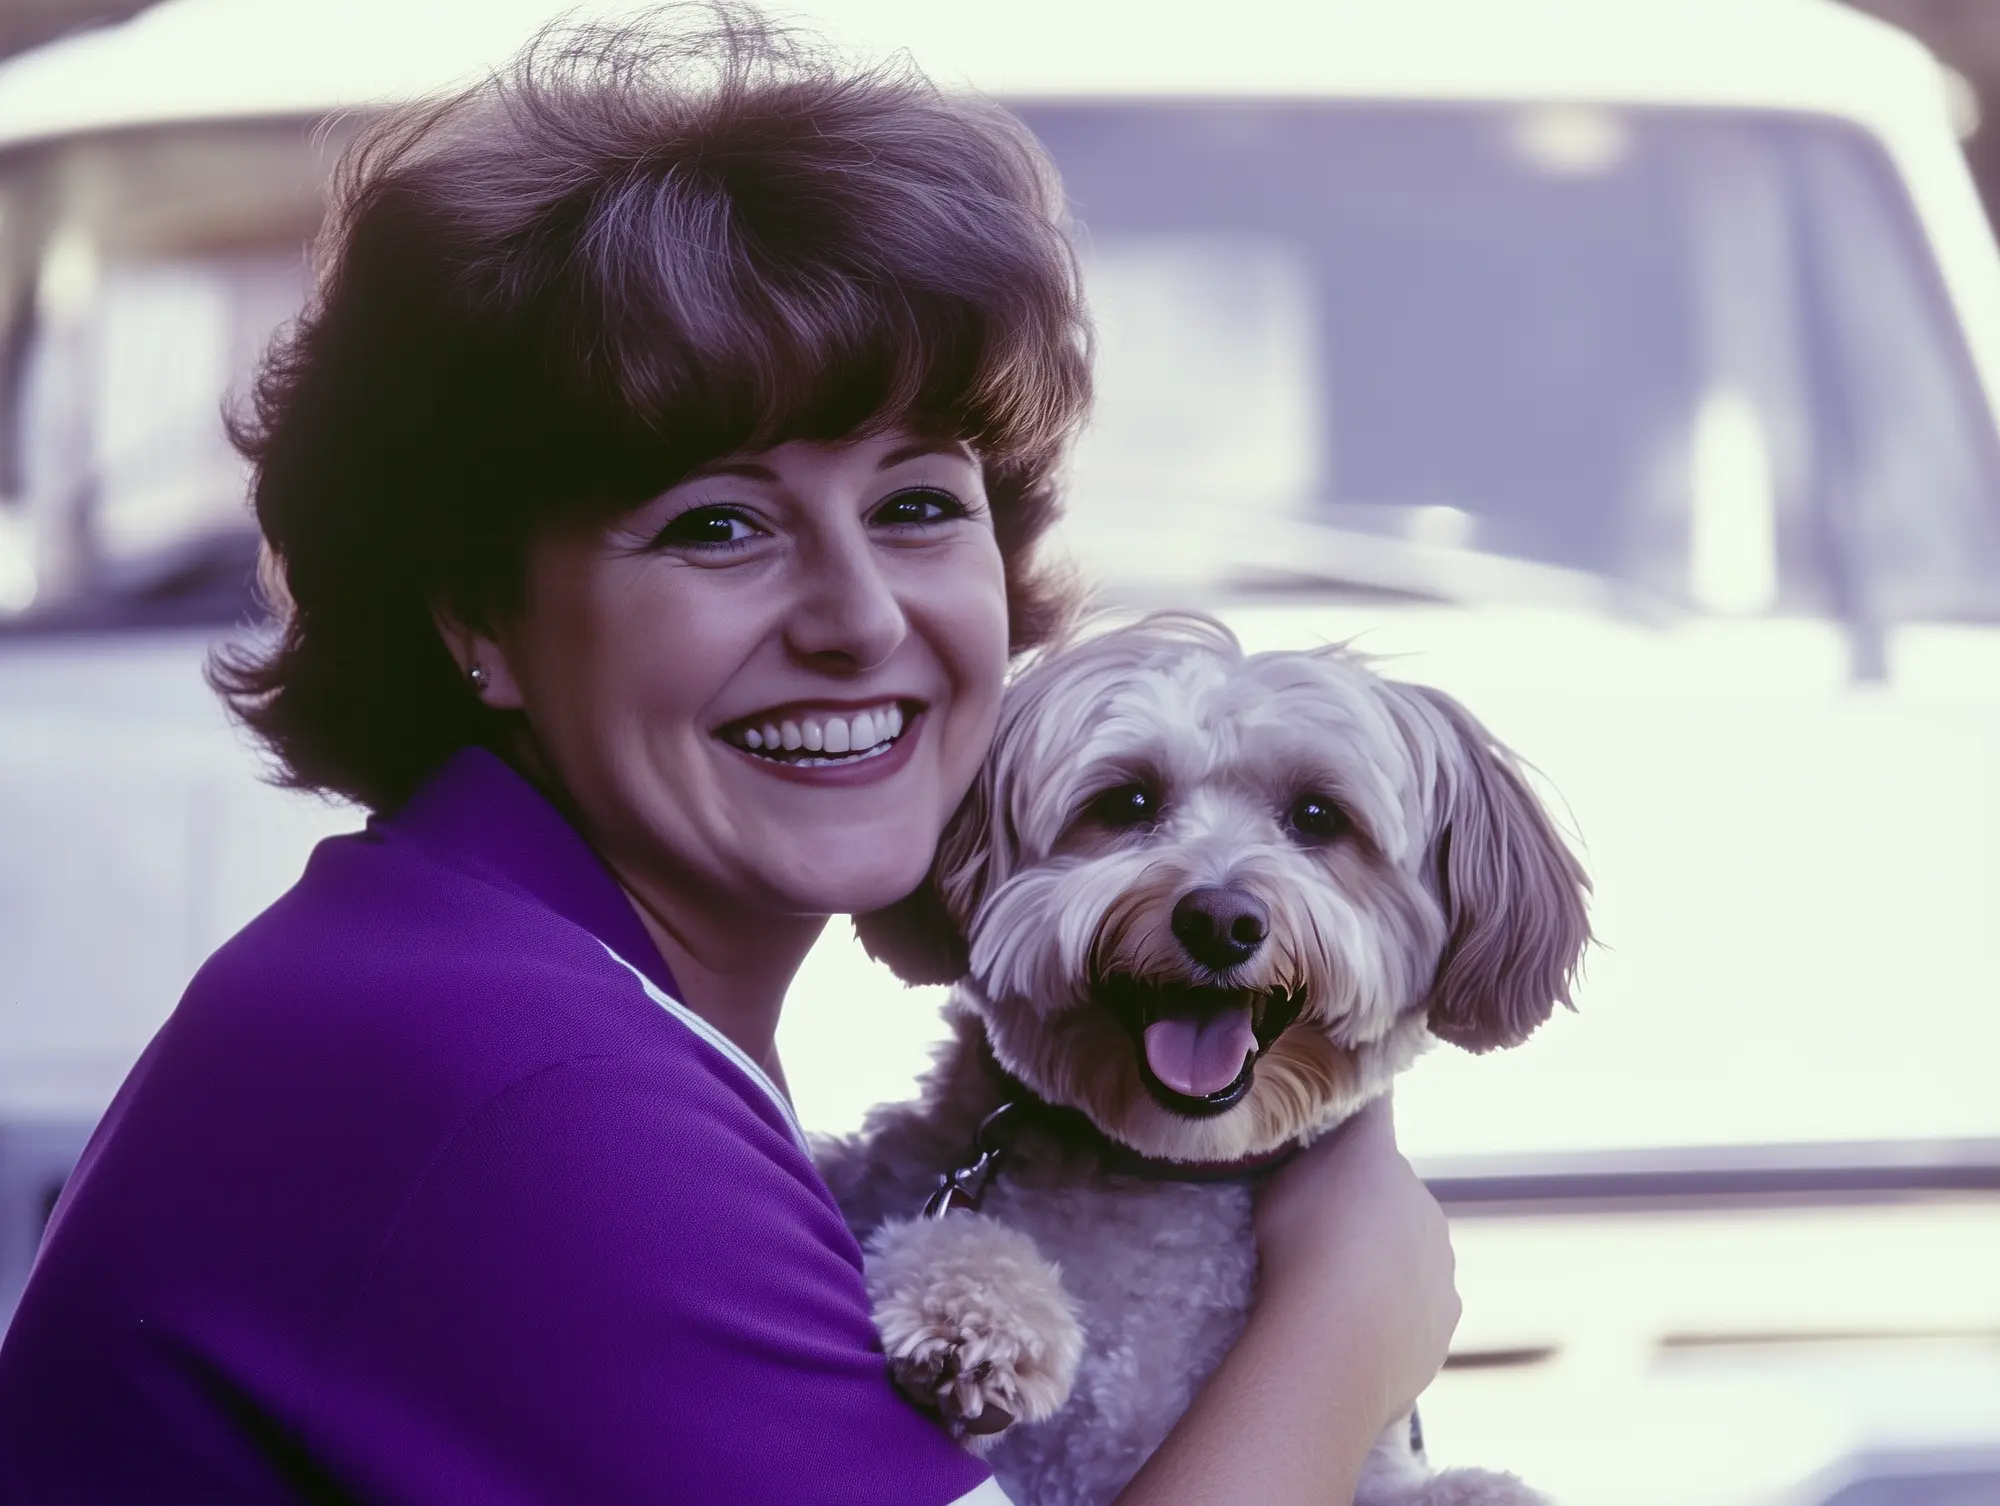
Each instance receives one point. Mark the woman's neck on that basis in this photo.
(732, 970)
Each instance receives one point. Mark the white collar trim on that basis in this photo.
(735, 1053)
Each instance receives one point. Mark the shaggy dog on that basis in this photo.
(1199, 907)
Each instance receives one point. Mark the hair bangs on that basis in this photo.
(801, 264)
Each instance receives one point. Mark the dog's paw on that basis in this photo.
(1475, 1487)
(975, 1323)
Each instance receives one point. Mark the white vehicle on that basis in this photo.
(1630, 370)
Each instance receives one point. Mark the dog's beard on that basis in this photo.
(1086, 1059)
(1096, 1007)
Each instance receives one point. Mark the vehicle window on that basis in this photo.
(1630, 345)
(1914, 452)
(1693, 355)
(149, 272)
(124, 390)
(1585, 338)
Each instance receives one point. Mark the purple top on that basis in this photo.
(421, 1197)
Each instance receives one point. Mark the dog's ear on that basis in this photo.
(1513, 893)
(922, 937)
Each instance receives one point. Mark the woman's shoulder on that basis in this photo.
(648, 1285)
(377, 929)
(391, 982)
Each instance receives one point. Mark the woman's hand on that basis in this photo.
(1354, 1310)
(1353, 1246)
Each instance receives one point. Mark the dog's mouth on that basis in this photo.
(1198, 1044)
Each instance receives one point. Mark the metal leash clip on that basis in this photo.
(964, 1186)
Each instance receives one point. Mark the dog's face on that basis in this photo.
(1214, 901)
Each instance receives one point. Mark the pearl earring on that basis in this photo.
(480, 678)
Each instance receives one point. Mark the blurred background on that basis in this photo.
(1629, 368)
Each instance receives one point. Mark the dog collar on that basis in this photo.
(965, 1185)
(1122, 1159)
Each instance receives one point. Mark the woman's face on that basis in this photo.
(770, 686)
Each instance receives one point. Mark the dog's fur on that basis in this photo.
(1439, 901)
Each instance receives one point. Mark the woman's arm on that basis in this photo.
(1354, 1312)
(618, 1284)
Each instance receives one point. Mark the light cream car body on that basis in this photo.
(1781, 763)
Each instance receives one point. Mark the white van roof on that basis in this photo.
(211, 60)
(192, 60)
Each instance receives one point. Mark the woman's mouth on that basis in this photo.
(808, 739)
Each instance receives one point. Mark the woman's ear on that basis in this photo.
(480, 659)
(923, 937)
(1513, 893)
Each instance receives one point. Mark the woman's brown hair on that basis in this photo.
(636, 250)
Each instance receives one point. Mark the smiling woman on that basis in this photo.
(850, 599)
(650, 490)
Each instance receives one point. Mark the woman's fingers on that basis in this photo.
(1350, 1240)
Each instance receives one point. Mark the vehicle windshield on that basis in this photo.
(1697, 357)
(1557, 355)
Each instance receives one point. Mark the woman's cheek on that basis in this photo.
(979, 637)
(971, 608)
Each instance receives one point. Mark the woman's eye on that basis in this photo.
(705, 527)
(1127, 805)
(919, 504)
(1316, 818)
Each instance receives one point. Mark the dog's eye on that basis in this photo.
(1127, 805)
(1316, 818)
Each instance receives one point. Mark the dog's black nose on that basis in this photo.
(1221, 927)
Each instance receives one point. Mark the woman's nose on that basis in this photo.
(847, 610)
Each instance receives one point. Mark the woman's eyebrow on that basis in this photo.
(956, 448)
(749, 469)
(753, 471)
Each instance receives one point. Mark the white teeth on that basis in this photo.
(865, 733)
(879, 750)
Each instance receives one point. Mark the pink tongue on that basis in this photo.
(1200, 1056)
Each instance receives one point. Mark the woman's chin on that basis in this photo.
(854, 891)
